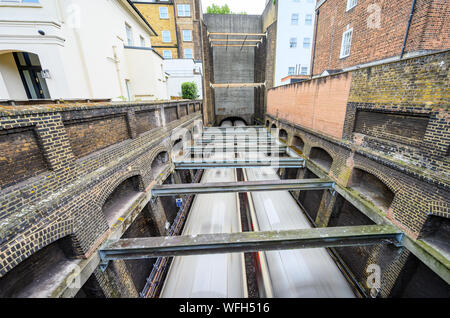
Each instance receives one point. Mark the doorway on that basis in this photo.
(30, 71)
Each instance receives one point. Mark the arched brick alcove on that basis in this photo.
(372, 188)
(322, 158)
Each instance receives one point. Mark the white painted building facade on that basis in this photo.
(295, 30)
(181, 71)
(77, 49)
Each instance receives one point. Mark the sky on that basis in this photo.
(248, 6)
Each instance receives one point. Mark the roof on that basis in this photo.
(319, 3)
(131, 4)
(295, 77)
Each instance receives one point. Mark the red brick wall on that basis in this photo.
(318, 104)
(430, 30)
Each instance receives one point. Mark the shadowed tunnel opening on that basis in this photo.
(233, 120)
(372, 188)
(321, 158)
(122, 198)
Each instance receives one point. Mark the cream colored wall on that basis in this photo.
(83, 46)
(145, 72)
(12, 87)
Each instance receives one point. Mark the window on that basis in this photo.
(184, 10)
(188, 54)
(346, 43)
(293, 42)
(294, 19)
(187, 35)
(308, 19)
(291, 70)
(304, 70)
(306, 43)
(129, 35)
(142, 39)
(166, 36)
(167, 54)
(163, 12)
(351, 4)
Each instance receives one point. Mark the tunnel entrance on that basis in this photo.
(121, 199)
(233, 120)
(372, 188)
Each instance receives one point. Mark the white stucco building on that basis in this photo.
(77, 49)
(295, 30)
(181, 71)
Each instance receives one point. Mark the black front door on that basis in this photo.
(30, 72)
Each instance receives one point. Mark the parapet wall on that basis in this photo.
(391, 121)
(61, 162)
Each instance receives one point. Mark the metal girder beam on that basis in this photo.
(251, 164)
(242, 186)
(239, 131)
(240, 163)
(203, 142)
(240, 143)
(238, 34)
(235, 40)
(233, 45)
(234, 128)
(235, 85)
(219, 148)
(151, 247)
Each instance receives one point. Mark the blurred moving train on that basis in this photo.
(291, 273)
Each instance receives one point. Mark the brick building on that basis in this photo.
(177, 24)
(382, 133)
(356, 32)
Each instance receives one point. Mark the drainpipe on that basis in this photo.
(315, 41)
(177, 35)
(407, 28)
(116, 63)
